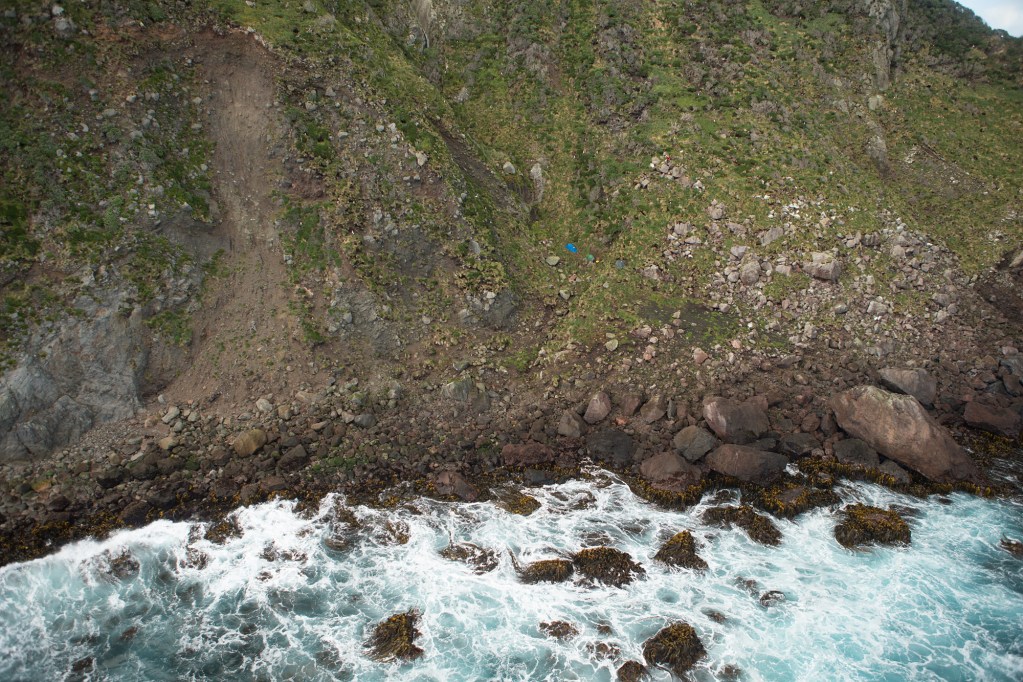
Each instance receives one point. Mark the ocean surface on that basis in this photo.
(276, 603)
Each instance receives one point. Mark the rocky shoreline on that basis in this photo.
(176, 462)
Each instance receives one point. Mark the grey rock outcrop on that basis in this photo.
(87, 371)
(898, 427)
(915, 382)
(693, 443)
(735, 422)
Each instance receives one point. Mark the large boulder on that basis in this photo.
(571, 424)
(249, 442)
(915, 382)
(736, 422)
(747, 464)
(668, 465)
(611, 446)
(898, 427)
(527, 454)
(1000, 420)
(598, 408)
(693, 443)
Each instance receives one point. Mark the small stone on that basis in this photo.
(264, 405)
(612, 345)
(553, 260)
(172, 414)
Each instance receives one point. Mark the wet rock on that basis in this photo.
(116, 565)
(865, 525)
(598, 408)
(856, 452)
(109, 478)
(394, 638)
(797, 444)
(772, 598)
(571, 424)
(668, 465)
(715, 616)
(222, 531)
(544, 571)
(1013, 547)
(611, 446)
(890, 468)
(654, 410)
(680, 550)
(559, 629)
(998, 420)
(480, 559)
(606, 565)
(915, 382)
(631, 671)
(527, 454)
(735, 422)
(249, 442)
(694, 443)
(516, 502)
(454, 483)
(760, 528)
(747, 464)
(676, 647)
(898, 427)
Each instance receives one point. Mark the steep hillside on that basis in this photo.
(485, 211)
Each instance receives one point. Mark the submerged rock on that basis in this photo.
(606, 565)
(759, 528)
(559, 629)
(480, 559)
(676, 647)
(772, 598)
(680, 550)
(898, 427)
(394, 638)
(1013, 547)
(865, 525)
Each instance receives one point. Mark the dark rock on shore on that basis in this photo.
(898, 427)
(759, 528)
(789, 499)
(606, 565)
(571, 424)
(527, 454)
(598, 408)
(865, 525)
(480, 559)
(611, 446)
(1002, 421)
(544, 571)
(747, 464)
(559, 629)
(797, 445)
(394, 638)
(680, 550)
(736, 422)
(694, 443)
(676, 647)
(454, 483)
(668, 465)
(915, 382)
(857, 453)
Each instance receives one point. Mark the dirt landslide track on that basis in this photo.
(245, 333)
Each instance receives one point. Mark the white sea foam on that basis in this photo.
(949, 607)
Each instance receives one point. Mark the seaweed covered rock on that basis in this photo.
(899, 428)
(559, 629)
(631, 671)
(606, 565)
(760, 528)
(220, 532)
(865, 525)
(544, 571)
(516, 502)
(680, 550)
(790, 499)
(394, 638)
(480, 559)
(676, 647)
(747, 464)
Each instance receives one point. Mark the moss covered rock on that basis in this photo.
(515, 502)
(546, 571)
(790, 499)
(606, 565)
(631, 671)
(760, 528)
(680, 550)
(865, 525)
(394, 638)
(559, 629)
(676, 647)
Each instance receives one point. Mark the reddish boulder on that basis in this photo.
(527, 454)
(736, 422)
(747, 464)
(1000, 420)
(898, 427)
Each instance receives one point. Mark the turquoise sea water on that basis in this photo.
(948, 607)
